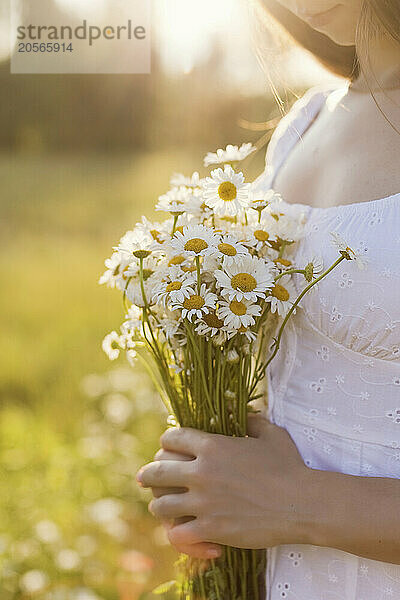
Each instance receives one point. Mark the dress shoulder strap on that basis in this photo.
(290, 129)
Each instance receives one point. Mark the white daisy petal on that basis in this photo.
(343, 247)
(238, 314)
(249, 278)
(197, 304)
(226, 192)
(229, 155)
(195, 240)
(282, 296)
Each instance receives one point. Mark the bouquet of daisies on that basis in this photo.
(204, 291)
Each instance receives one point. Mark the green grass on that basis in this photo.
(60, 218)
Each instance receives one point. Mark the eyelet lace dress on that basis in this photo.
(335, 384)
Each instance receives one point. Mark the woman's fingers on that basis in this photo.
(186, 534)
(184, 440)
(166, 473)
(172, 506)
(203, 550)
(162, 491)
(162, 454)
(167, 455)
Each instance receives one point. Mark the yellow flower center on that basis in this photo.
(244, 282)
(191, 269)
(238, 308)
(174, 286)
(227, 249)
(227, 191)
(261, 235)
(283, 261)
(123, 274)
(280, 292)
(176, 260)
(141, 253)
(196, 245)
(194, 303)
(212, 321)
(147, 273)
(156, 235)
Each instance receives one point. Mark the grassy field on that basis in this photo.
(73, 427)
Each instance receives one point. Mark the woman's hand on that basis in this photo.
(251, 492)
(203, 550)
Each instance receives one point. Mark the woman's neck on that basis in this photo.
(382, 71)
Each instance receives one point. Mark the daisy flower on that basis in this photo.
(134, 293)
(138, 243)
(174, 201)
(197, 304)
(112, 345)
(116, 265)
(179, 180)
(313, 268)
(230, 249)
(230, 154)
(133, 287)
(156, 230)
(195, 240)
(288, 228)
(282, 296)
(210, 325)
(260, 199)
(133, 322)
(249, 335)
(260, 234)
(249, 278)
(174, 286)
(226, 192)
(239, 314)
(196, 207)
(345, 250)
(290, 223)
(170, 326)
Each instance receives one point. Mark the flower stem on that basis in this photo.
(176, 217)
(289, 272)
(198, 274)
(295, 304)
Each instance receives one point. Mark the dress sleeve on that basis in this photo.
(289, 130)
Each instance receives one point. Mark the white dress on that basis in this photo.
(335, 385)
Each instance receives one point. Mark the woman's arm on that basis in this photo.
(256, 492)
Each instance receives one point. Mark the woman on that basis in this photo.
(318, 482)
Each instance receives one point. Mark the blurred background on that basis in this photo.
(81, 158)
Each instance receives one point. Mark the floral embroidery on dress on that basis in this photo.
(394, 415)
(338, 396)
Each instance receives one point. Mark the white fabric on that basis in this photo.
(335, 385)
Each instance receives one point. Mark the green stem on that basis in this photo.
(142, 282)
(176, 217)
(289, 272)
(198, 274)
(295, 304)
